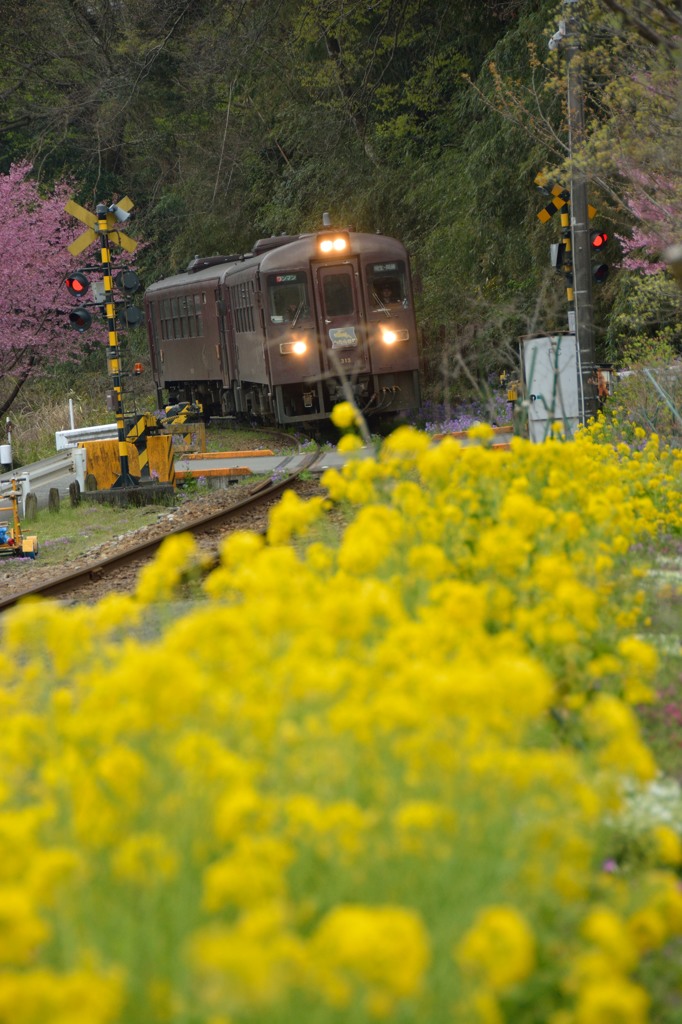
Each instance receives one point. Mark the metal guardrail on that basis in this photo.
(72, 438)
(37, 478)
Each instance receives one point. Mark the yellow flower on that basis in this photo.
(145, 858)
(384, 948)
(22, 932)
(349, 443)
(607, 930)
(639, 654)
(41, 994)
(481, 432)
(344, 415)
(252, 874)
(293, 516)
(404, 442)
(668, 845)
(250, 964)
(499, 948)
(647, 929)
(614, 999)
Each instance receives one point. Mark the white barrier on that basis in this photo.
(58, 471)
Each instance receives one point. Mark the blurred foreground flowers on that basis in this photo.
(373, 779)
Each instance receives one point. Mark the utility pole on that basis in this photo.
(580, 222)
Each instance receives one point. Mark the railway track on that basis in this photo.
(92, 578)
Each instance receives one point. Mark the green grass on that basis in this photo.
(71, 531)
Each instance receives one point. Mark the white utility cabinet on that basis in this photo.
(552, 384)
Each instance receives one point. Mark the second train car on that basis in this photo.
(273, 333)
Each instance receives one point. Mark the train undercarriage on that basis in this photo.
(374, 394)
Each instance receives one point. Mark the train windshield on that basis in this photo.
(338, 294)
(288, 298)
(387, 285)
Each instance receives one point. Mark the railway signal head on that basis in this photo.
(81, 319)
(127, 281)
(598, 242)
(77, 283)
(129, 316)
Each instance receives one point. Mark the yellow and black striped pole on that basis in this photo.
(113, 354)
(568, 254)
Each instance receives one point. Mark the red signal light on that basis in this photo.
(598, 239)
(77, 283)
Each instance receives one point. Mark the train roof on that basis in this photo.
(274, 254)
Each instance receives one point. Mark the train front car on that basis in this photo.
(339, 304)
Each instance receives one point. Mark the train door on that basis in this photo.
(342, 327)
(222, 340)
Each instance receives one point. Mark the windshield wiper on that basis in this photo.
(297, 314)
(380, 305)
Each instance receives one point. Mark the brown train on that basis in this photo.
(272, 334)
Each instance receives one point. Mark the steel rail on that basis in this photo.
(93, 572)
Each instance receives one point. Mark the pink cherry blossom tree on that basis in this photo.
(34, 261)
(655, 205)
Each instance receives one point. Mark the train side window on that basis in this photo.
(387, 285)
(288, 298)
(176, 318)
(242, 310)
(198, 314)
(191, 321)
(164, 316)
(152, 321)
(182, 311)
(338, 295)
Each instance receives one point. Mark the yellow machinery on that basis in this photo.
(13, 541)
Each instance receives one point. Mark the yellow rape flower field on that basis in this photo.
(370, 779)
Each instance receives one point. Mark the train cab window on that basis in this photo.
(338, 295)
(387, 286)
(288, 298)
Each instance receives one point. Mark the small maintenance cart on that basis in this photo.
(13, 541)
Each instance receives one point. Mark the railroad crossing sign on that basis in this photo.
(561, 197)
(116, 236)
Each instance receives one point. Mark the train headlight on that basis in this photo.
(389, 335)
(293, 348)
(336, 242)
